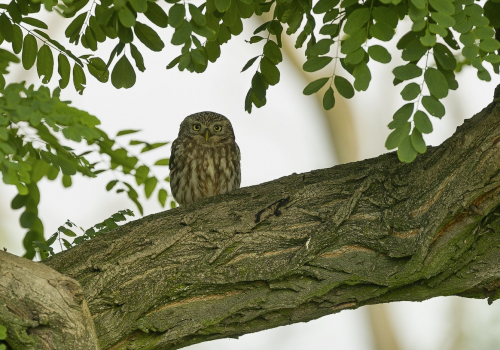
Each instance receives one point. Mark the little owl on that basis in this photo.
(205, 159)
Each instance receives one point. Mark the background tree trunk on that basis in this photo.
(301, 247)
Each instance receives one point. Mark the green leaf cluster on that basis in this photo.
(267, 72)
(439, 28)
(46, 249)
(36, 128)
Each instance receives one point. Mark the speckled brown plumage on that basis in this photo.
(204, 160)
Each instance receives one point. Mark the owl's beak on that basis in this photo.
(207, 135)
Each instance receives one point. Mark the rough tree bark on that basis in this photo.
(41, 308)
(301, 247)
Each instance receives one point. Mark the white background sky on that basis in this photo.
(285, 136)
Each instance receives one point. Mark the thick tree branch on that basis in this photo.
(301, 247)
(41, 308)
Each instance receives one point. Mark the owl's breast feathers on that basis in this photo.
(198, 171)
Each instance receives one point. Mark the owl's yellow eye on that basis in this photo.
(217, 128)
(196, 127)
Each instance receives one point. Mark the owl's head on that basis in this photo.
(208, 128)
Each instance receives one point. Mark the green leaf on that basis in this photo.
(98, 68)
(255, 39)
(205, 31)
(149, 147)
(6, 27)
(428, 39)
(123, 75)
(379, 53)
(492, 12)
(156, 15)
(273, 52)
(111, 184)
(444, 6)
(444, 56)
(395, 137)
(258, 86)
(422, 122)
(79, 79)
(420, 4)
(483, 32)
(406, 152)
(14, 12)
(90, 37)
(442, 19)
(437, 29)
(324, 5)
(410, 91)
(407, 72)
(354, 41)
(270, 73)
(137, 56)
(66, 181)
(470, 52)
(213, 51)
(330, 29)
(126, 132)
(19, 201)
(150, 186)
(34, 22)
(176, 14)
(322, 47)
(141, 174)
(436, 82)
(489, 45)
(27, 219)
(162, 197)
(355, 57)
(433, 106)
(328, 99)
(76, 25)
(248, 101)
(198, 57)
(197, 15)
(17, 39)
(45, 63)
(356, 20)
(316, 63)
(148, 37)
(385, 14)
(382, 31)
(344, 87)
(126, 17)
(182, 34)
(249, 63)
(362, 77)
(30, 49)
(64, 70)
(139, 5)
(164, 161)
(174, 62)
(222, 5)
(414, 51)
(418, 142)
(314, 86)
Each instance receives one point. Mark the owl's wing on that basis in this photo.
(175, 147)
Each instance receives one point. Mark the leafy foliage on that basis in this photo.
(68, 229)
(33, 127)
(348, 26)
